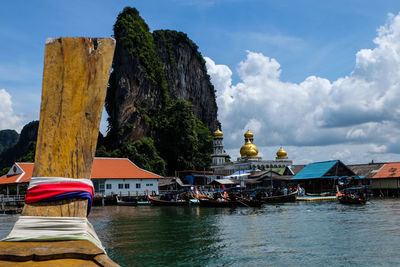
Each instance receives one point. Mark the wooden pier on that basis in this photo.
(11, 204)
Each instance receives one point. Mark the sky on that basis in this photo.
(320, 78)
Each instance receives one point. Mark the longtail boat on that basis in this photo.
(291, 197)
(160, 202)
(352, 200)
(75, 77)
(354, 195)
(225, 203)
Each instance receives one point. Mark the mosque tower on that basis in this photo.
(219, 156)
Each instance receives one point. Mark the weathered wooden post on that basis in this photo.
(75, 77)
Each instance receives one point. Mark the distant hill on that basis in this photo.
(8, 138)
(25, 144)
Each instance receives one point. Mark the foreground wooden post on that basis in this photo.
(75, 76)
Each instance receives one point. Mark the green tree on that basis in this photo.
(141, 152)
(30, 155)
(183, 140)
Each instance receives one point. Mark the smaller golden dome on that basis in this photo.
(218, 133)
(281, 154)
(248, 134)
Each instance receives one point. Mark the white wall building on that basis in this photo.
(109, 176)
(121, 176)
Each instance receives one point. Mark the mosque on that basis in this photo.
(248, 160)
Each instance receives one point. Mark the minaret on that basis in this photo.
(219, 156)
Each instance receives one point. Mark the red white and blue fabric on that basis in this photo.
(42, 189)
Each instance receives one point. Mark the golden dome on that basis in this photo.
(281, 154)
(248, 134)
(249, 150)
(244, 148)
(252, 151)
(218, 133)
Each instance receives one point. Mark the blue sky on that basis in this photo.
(244, 42)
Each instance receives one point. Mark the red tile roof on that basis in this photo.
(103, 168)
(389, 170)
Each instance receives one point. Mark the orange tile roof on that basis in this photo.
(114, 168)
(389, 170)
(9, 179)
(28, 169)
(103, 168)
(19, 178)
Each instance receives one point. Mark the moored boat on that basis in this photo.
(354, 195)
(125, 203)
(316, 198)
(159, 202)
(229, 203)
(352, 200)
(291, 197)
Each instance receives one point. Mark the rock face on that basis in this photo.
(8, 138)
(151, 69)
(186, 74)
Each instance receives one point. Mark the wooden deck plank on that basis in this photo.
(104, 260)
(23, 251)
(51, 263)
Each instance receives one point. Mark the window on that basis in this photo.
(108, 186)
(149, 184)
(137, 185)
(126, 186)
(120, 186)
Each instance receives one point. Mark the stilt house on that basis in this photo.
(321, 177)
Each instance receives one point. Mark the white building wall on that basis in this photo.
(131, 187)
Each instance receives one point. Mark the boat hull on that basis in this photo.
(159, 202)
(352, 201)
(281, 199)
(229, 204)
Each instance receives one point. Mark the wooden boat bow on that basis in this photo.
(75, 77)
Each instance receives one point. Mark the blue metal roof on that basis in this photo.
(315, 170)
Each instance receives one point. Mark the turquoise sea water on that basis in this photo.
(320, 233)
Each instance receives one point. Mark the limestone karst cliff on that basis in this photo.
(150, 69)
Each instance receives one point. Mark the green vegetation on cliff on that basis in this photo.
(134, 34)
(141, 152)
(182, 140)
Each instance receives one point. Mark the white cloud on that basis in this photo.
(341, 154)
(8, 120)
(378, 149)
(361, 108)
